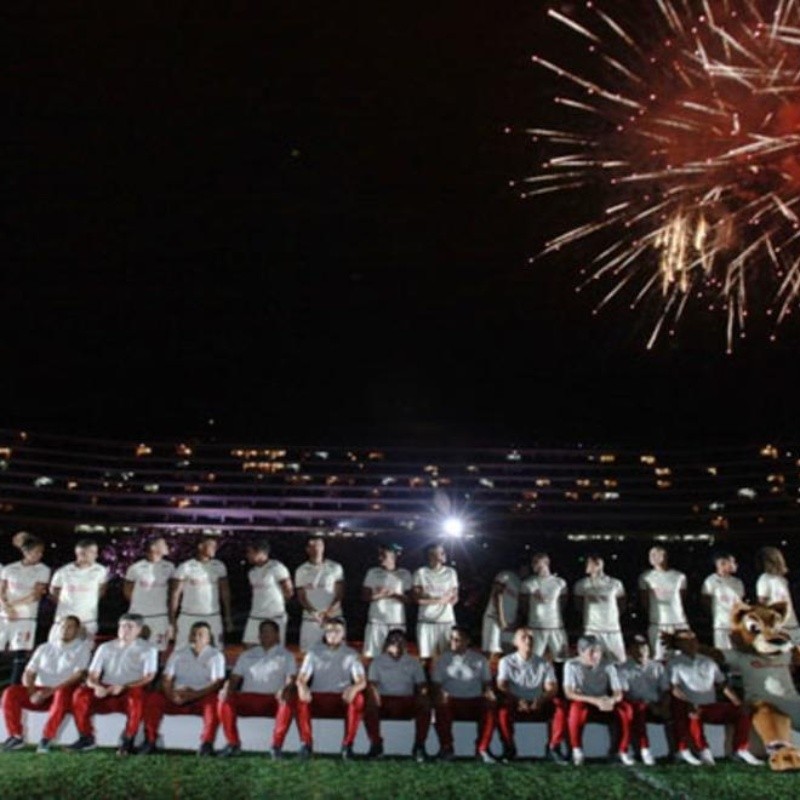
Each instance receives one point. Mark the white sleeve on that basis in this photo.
(407, 581)
(706, 588)
(291, 665)
(238, 666)
(98, 660)
(218, 667)
(417, 579)
(569, 676)
(307, 668)
(169, 669)
(281, 573)
(762, 587)
(613, 679)
(338, 572)
(130, 573)
(58, 578)
(619, 588)
(550, 674)
(220, 569)
(180, 572)
(682, 583)
(151, 661)
(502, 670)
(369, 579)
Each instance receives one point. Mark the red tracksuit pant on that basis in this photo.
(689, 726)
(553, 712)
(330, 705)
(85, 704)
(398, 708)
(475, 709)
(249, 704)
(158, 705)
(581, 713)
(16, 700)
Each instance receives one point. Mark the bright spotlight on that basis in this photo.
(453, 526)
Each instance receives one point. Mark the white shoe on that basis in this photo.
(647, 757)
(688, 758)
(706, 758)
(748, 758)
(626, 759)
(577, 756)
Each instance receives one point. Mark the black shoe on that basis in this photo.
(147, 749)
(305, 752)
(276, 753)
(83, 744)
(555, 755)
(418, 754)
(347, 752)
(230, 751)
(13, 743)
(126, 747)
(509, 752)
(375, 750)
(205, 750)
(446, 755)
(44, 748)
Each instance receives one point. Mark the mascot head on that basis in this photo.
(759, 628)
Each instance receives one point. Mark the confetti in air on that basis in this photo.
(685, 114)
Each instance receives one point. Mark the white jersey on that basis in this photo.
(55, 663)
(332, 669)
(79, 590)
(436, 583)
(319, 583)
(462, 674)
(509, 599)
(600, 681)
(600, 602)
(195, 671)
(200, 586)
(120, 664)
(696, 677)
(265, 671)
(265, 581)
(644, 683)
(526, 678)
(664, 589)
(150, 581)
(396, 677)
(725, 591)
(21, 579)
(775, 588)
(388, 610)
(544, 601)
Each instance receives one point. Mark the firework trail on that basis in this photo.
(687, 119)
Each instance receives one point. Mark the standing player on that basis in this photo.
(261, 685)
(721, 592)
(22, 585)
(662, 592)
(386, 588)
(501, 611)
(78, 587)
(543, 597)
(200, 587)
(272, 587)
(772, 587)
(320, 589)
(601, 598)
(436, 594)
(119, 672)
(47, 683)
(146, 589)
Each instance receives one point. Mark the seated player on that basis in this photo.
(398, 689)
(593, 688)
(48, 682)
(694, 679)
(192, 677)
(529, 686)
(119, 672)
(261, 685)
(645, 686)
(331, 681)
(462, 687)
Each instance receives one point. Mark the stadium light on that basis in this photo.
(453, 527)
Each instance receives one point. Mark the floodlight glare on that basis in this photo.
(453, 526)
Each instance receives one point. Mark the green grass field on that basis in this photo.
(100, 774)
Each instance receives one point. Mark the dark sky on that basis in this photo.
(298, 223)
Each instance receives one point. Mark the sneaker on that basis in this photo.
(555, 755)
(688, 757)
(626, 759)
(509, 753)
(305, 752)
(706, 757)
(577, 757)
(647, 757)
(83, 744)
(126, 747)
(43, 748)
(205, 750)
(418, 754)
(276, 753)
(375, 750)
(230, 751)
(746, 757)
(147, 749)
(485, 757)
(13, 743)
(346, 753)
(446, 754)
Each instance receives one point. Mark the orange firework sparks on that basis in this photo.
(688, 120)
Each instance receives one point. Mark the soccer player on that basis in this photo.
(272, 587)
(338, 686)
(645, 686)
(119, 672)
(261, 685)
(529, 686)
(772, 587)
(436, 594)
(694, 678)
(78, 587)
(462, 690)
(543, 597)
(593, 688)
(501, 611)
(721, 592)
(386, 588)
(22, 585)
(47, 684)
(146, 588)
(398, 689)
(600, 599)
(200, 588)
(320, 589)
(191, 680)
(662, 592)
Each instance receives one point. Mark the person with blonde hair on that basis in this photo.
(772, 587)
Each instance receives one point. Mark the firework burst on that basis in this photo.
(685, 114)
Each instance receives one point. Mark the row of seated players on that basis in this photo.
(332, 682)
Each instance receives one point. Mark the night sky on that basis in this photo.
(298, 223)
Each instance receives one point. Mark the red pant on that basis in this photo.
(689, 726)
(639, 715)
(553, 712)
(85, 704)
(581, 713)
(330, 705)
(16, 699)
(158, 704)
(249, 704)
(415, 708)
(476, 709)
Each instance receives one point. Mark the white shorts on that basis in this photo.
(185, 622)
(159, 628)
(253, 623)
(491, 635)
(613, 644)
(552, 639)
(88, 631)
(311, 633)
(657, 650)
(375, 634)
(433, 638)
(17, 634)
